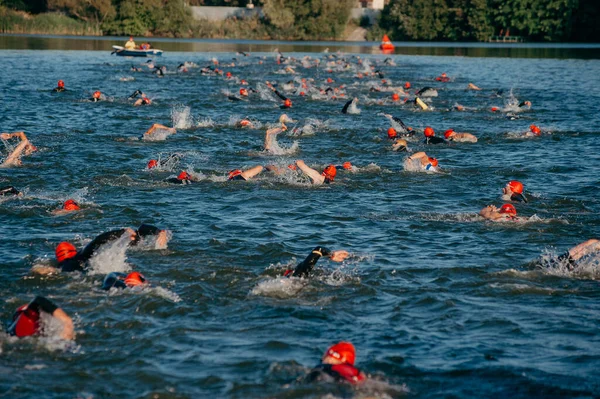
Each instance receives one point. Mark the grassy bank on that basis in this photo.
(47, 23)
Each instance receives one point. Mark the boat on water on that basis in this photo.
(122, 51)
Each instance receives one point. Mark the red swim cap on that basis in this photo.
(429, 132)
(329, 172)
(134, 278)
(234, 173)
(71, 205)
(26, 321)
(395, 97)
(515, 186)
(302, 93)
(407, 85)
(153, 163)
(535, 130)
(508, 209)
(184, 176)
(292, 166)
(391, 132)
(61, 83)
(64, 251)
(494, 109)
(96, 94)
(347, 165)
(448, 133)
(444, 75)
(245, 122)
(433, 161)
(243, 92)
(329, 80)
(287, 103)
(228, 74)
(342, 350)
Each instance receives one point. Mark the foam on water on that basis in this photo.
(181, 117)
(111, 257)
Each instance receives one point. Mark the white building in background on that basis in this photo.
(372, 4)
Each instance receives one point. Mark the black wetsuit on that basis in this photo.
(8, 191)
(175, 180)
(59, 89)
(407, 132)
(345, 109)
(78, 262)
(303, 269)
(38, 304)
(338, 373)
(238, 177)
(518, 197)
(434, 140)
(423, 90)
(115, 280)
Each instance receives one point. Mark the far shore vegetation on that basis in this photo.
(401, 20)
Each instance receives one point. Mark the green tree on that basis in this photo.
(89, 11)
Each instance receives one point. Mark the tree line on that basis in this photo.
(431, 20)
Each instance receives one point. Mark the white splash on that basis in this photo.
(111, 257)
(181, 117)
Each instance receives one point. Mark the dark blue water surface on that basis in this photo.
(437, 301)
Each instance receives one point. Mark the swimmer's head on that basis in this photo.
(287, 103)
(96, 94)
(535, 130)
(292, 167)
(228, 75)
(285, 119)
(495, 109)
(449, 133)
(347, 165)
(395, 97)
(342, 352)
(71, 205)
(400, 145)
(407, 85)
(429, 132)
(527, 103)
(61, 84)
(243, 82)
(329, 172)
(134, 279)
(243, 92)
(184, 176)
(444, 75)
(234, 173)
(433, 161)
(515, 186)
(26, 322)
(245, 122)
(302, 93)
(391, 132)
(508, 209)
(64, 251)
(329, 80)
(153, 163)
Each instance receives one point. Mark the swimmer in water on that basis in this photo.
(246, 122)
(68, 206)
(400, 145)
(10, 191)
(354, 102)
(148, 134)
(122, 280)
(451, 135)
(96, 96)
(573, 255)
(60, 87)
(183, 178)
(307, 265)
(534, 131)
(471, 86)
(325, 177)
(408, 131)
(244, 175)
(525, 105)
(144, 100)
(71, 260)
(443, 78)
(271, 134)
(426, 162)
(23, 148)
(506, 212)
(430, 137)
(337, 365)
(26, 320)
(513, 191)
(172, 159)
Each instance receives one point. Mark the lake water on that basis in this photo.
(437, 301)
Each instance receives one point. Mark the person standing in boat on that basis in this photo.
(130, 45)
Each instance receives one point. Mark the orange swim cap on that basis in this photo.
(302, 93)
(65, 250)
(515, 186)
(444, 75)
(329, 172)
(243, 92)
(329, 80)
(342, 350)
(96, 94)
(243, 82)
(61, 83)
(391, 132)
(429, 132)
(71, 205)
(184, 176)
(508, 209)
(535, 130)
(234, 173)
(228, 74)
(153, 163)
(395, 97)
(292, 166)
(134, 279)
(245, 122)
(448, 133)
(287, 103)
(347, 165)
(494, 109)
(433, 161)
(407, 85)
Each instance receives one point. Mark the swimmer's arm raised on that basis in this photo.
(315, 176)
